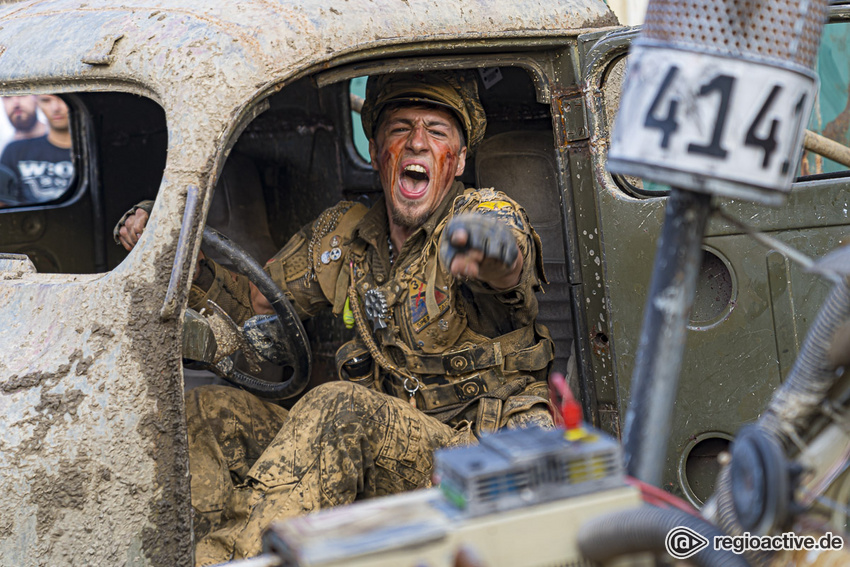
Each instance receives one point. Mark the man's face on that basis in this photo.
(21, 111)
(56, 111)
(417, 153)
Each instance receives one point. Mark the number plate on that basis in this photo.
(711, 123)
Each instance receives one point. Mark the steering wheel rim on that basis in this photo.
(294, 344)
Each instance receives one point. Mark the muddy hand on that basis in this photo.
(134, 226)
(468, 557)
(481, 247)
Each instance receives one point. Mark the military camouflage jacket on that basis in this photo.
(459, 350)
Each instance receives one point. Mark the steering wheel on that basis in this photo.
(279, 338)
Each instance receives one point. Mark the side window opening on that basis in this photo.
(117, 159)
(611, 89)
(357, 91)
(831, 112)
(37, 158)
(130, 137)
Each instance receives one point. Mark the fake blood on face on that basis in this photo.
(417, 153)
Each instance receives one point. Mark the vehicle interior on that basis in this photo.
(301, 156)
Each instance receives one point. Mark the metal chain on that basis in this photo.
(372, 346)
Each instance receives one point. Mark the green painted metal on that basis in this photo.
(734, 363)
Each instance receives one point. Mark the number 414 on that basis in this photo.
(724, 85)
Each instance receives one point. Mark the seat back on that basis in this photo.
(522, 164)
(238, 209)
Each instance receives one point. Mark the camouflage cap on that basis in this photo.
(456, 91)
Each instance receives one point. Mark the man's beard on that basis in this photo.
(408, 220)
(23, 124)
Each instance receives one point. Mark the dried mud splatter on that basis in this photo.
(67, 489)
(168, 543)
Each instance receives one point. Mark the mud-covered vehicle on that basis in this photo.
(243, 117)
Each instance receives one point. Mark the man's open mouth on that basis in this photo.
(413, 181)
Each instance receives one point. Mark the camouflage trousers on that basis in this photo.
(252, 462)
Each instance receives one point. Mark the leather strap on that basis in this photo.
(479, 357)
(446, 414)
(489, 414)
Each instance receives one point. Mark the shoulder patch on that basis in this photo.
(490, 201)
(474, 197)
(502, 210)
(488, 193)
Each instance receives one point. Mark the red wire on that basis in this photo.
(659, 497)
(567, 412)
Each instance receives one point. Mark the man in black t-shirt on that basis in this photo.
(43, 165)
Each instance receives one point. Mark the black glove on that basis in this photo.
(486, 233)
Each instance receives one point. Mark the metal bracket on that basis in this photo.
(574, 118)
(184, 242)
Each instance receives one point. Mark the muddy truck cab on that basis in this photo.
(243, 117)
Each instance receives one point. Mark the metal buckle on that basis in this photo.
(459, 362)
(470, 388)
(411, 390)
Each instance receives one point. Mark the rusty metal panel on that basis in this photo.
(252, 43)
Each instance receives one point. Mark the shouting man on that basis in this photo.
(441, 281)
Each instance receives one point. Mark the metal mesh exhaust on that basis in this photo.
(771, 30)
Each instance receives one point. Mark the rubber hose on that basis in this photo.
(727, 519)
(644, 530)
(293, 330)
